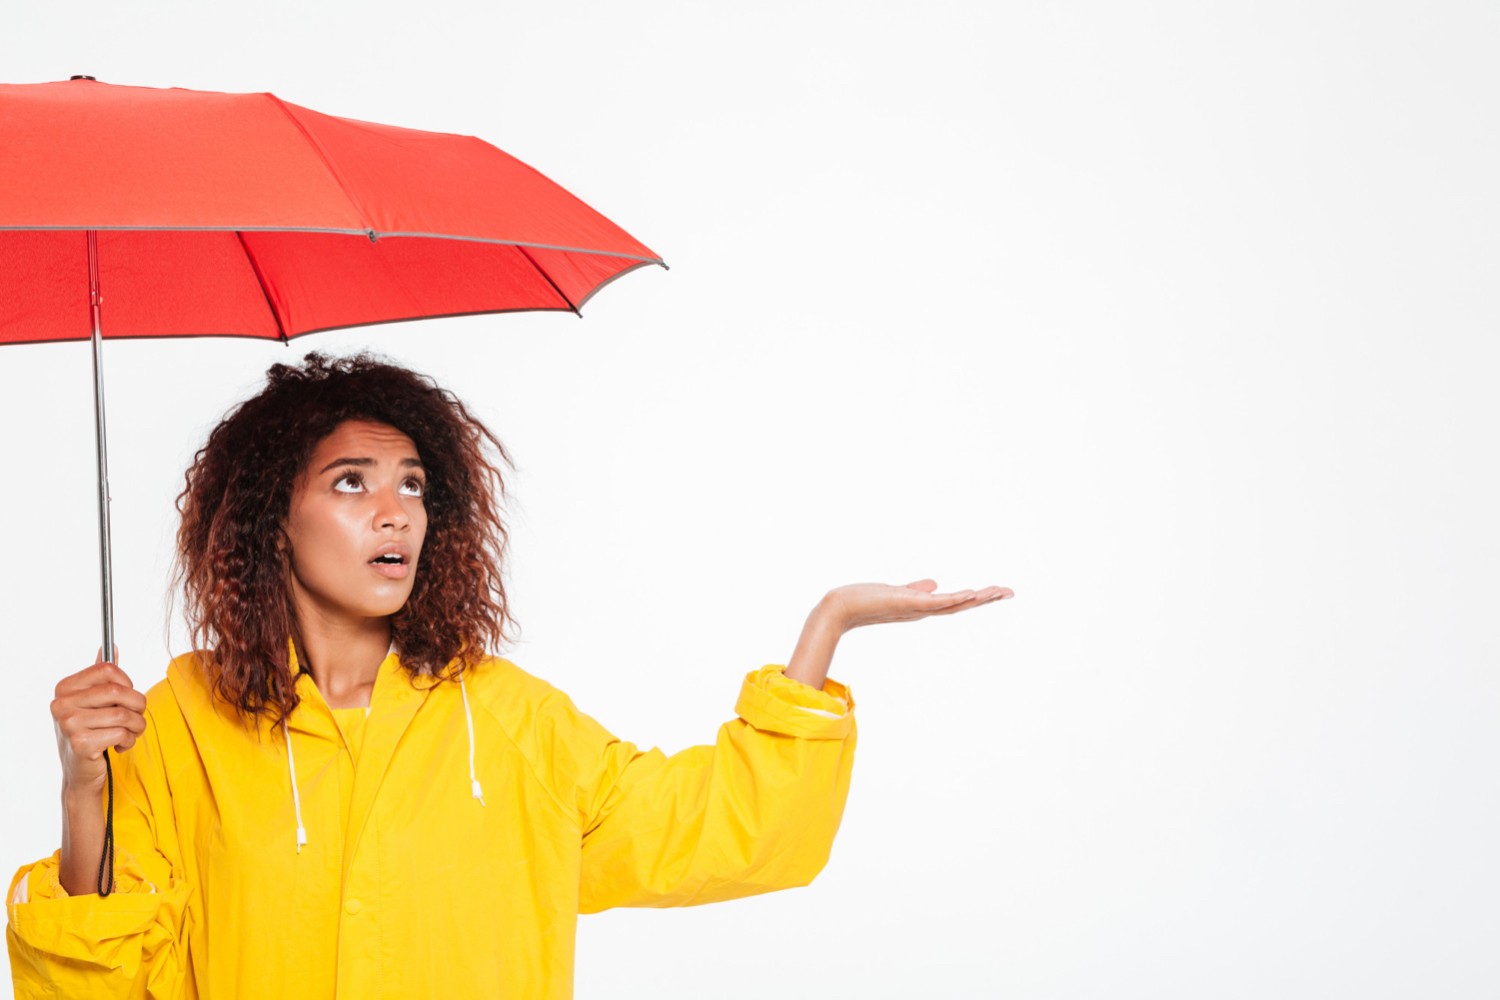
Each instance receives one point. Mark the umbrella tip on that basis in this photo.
(80, 76)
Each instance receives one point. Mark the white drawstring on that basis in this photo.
(296, 799)
(468, 716)
(291, 764)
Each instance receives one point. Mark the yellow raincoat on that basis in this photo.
(442, 847)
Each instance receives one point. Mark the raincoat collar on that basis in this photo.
(294, 665)
(392, 659)
(314, 716)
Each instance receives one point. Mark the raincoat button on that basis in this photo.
(352, 906)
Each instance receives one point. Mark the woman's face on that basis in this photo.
(356, 524)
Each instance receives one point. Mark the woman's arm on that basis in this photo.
(82, 842)
(757, 810)
(752, 812)
(126, 944)
(95, 709)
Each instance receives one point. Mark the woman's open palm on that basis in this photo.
(869, 603)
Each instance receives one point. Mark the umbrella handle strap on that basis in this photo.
(107, 859)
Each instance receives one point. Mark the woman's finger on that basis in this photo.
(973, 599)
(954, 597)
(945, 595)
(862, 604)
(953, 608)
(107, 695)
(100, 719)
(99, 673)
(91, 745)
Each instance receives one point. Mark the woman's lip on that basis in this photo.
(395, 571)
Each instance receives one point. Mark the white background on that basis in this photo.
(1179, 319)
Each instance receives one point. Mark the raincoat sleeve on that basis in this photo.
(126, 944)
(754, 812)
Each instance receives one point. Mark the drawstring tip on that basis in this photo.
(301, 838)
(478, 792)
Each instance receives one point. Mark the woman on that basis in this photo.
(341, 793)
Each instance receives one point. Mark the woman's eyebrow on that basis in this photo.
(405, 462)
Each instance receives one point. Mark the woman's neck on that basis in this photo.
(343, 657)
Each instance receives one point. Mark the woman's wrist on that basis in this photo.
(82, 840)
(83, 802)
(813, 656)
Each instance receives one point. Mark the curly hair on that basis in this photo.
(232, 562)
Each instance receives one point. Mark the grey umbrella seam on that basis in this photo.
(612, 278)
(337, 232)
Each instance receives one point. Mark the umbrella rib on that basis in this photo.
(532, 261)
(327, 163)
(260, 280)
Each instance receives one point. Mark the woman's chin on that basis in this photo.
(378, 605)
(385, 608)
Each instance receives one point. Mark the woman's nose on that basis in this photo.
(391, 512)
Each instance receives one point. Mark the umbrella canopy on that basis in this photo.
(246, 215)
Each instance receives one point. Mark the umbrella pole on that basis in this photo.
(106, 861)
(99, 441)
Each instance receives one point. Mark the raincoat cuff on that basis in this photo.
(773, 702)
(40, 882)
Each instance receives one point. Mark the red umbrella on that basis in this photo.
(194, 213)
(141, 212)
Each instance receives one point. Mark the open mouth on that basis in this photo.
(392, 565)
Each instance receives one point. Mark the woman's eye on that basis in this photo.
(414, 487)
(349, 477)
